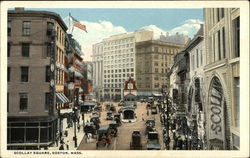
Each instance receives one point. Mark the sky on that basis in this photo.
(104, 22)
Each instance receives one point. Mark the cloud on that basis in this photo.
(104, 29)
(189, 28)
(157, 31)
(96, 32)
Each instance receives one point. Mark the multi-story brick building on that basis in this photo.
(35, 53)
(153, 61)
(222, 41)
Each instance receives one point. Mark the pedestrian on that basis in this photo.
(147, 112)
(57, 142)
(61, 147)
(78, 127)
(67, 145)
(142, 118)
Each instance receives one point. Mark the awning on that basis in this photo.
(61, 98)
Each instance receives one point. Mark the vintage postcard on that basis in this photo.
(124, 79)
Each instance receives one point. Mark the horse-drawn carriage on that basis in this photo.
(135, 143)
(104, 137)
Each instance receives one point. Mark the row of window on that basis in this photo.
(119, 61)
(23, 102)
(118, 54)
(119, 47)
(25, 74)
(120, 70)
(122, 41)
(114, 85)
(120, 76)
(158, 50)
(216, 14)
(119, 66)
(25, 51)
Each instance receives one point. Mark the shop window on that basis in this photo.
(17, 135)
(31, 135)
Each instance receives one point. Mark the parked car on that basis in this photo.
(153, 110)
(135, 143)
(153, 141)
(109, 115)
(113, 127)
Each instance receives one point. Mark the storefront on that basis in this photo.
(31, 133)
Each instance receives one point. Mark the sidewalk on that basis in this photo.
(69, 139)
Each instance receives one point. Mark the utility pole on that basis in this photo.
(75, 114)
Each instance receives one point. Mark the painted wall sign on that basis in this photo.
(216, 100)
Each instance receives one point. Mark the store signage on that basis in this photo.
(216, 100)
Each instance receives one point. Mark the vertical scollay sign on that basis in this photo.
(52, 75)
(216, 116)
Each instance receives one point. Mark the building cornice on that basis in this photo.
(42, 14)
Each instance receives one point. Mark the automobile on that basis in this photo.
(117, 118)
(95, 119)
(153, 110)
(153, 141)
(112, 108)
(142, 100)
(103, 137)
(109, 115)
(135, 143)
(113, 127)
(90, 128)
(150, 121)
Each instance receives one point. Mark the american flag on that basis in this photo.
(76, 23)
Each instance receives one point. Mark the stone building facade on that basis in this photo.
(153, 61)
(195, 110)
(97, 58)
(34, 37)
(119, 61)
(222, 40)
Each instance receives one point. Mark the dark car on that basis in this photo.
(109, 115)
(113, 128)
(135, 143)
(153, 110)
